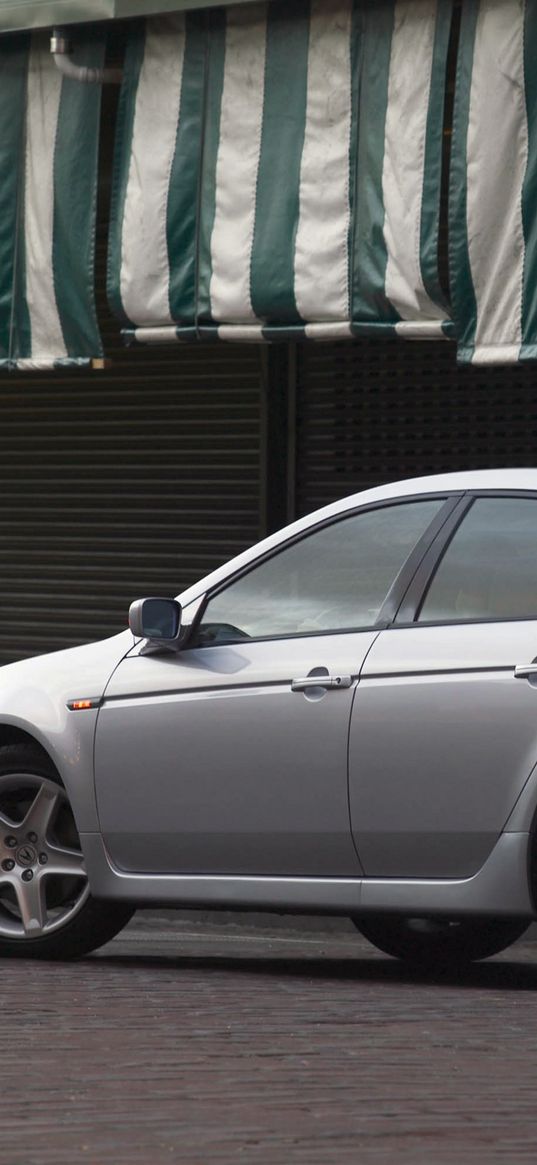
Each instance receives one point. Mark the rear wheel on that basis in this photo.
(46, 909)
(437, 942)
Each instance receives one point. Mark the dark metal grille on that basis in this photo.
(370, 412)
(137, 480)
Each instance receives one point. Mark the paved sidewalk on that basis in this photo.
(195, 1041)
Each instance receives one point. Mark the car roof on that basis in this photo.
(474, 479)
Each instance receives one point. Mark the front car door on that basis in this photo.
(234, 750)
(443, 735)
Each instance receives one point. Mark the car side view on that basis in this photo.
(343, 719)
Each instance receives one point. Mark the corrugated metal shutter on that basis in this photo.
(116, 484)
(133, 481)
(370, 412)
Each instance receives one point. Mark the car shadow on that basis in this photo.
(505, 975)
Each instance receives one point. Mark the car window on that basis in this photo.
(335, 578)
(489, 570)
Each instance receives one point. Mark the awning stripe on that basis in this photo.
(372, 44)
(433, 157)
(493, 184)
(182, 207)
(529, 190)
(48, 170)
(497, 130)
(409, 87)
(145, 272)
(13, 72)
(321, 274)
(43, 105)
(237, 163)
(215, 55)
(75, 170)
(282, 141)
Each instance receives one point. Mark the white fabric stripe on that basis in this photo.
(321, 251)
(241, 332)
(409, 86)
(48, 364)
(145, 272)
(421, 330)
(497, 152)
(332, 331)
(44, 94)
(238, 163)
(496, 354)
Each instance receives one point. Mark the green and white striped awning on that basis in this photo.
(278, 172)
(48, 165)
(493, 220)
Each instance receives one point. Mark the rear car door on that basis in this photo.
(443, 734)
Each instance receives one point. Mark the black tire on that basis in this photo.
(440, 943)
(25, 770)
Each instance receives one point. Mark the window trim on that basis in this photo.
(409, 609)
(451, 499)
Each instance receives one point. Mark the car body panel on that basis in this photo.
(34, 695)
(243, 774)
(443, 740)
(499, 888)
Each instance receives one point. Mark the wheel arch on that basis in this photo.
(71, 754)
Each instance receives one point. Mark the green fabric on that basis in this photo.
(214, 83)
(464, 306)
(184, 178)
(529, 191)
(282, 139)
(432, 181)
(372, 43)
(75, 195)
(127, 104)
(14, 320)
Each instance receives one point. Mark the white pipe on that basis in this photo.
(59, 47)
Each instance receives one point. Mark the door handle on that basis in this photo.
(322, 681)
(524, 670)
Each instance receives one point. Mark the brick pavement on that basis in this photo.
(195, 1043)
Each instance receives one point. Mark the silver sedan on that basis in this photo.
(343, 719)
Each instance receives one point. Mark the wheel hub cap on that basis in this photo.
(26, 855)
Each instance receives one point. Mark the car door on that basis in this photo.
(231, 755)
(443, 734)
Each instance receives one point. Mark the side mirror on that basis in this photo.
(155, 619)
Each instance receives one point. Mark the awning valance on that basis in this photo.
(278, 172)
(48, 164)
(17, 15)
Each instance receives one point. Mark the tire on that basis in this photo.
(46, 909)
(440, 943)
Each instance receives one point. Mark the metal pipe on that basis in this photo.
(60, 49)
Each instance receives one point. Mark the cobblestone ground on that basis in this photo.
(194, 1042)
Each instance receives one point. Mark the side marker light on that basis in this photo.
(82, 705)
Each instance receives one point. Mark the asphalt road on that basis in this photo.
(193, 1041)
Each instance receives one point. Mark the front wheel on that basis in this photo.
(46, 909)
(438, 942)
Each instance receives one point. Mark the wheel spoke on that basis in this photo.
(41, 810)
(31, 903)
(65, 861)
(7, 823)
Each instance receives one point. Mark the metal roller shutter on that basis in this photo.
(133, 481)
(371, 412)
